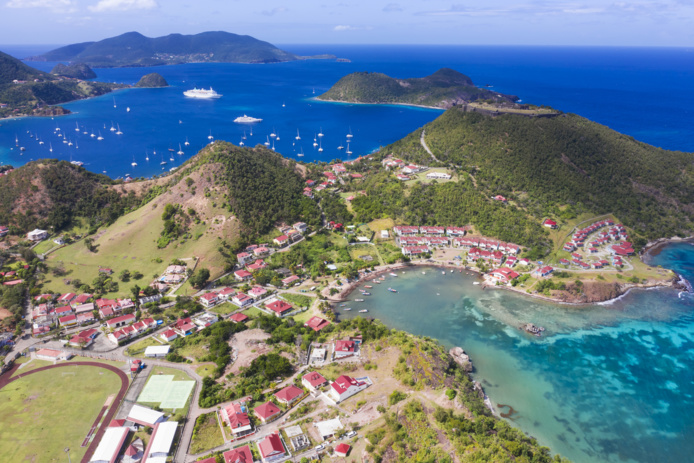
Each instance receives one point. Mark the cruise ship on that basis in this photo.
(246, 119)
(202, 94)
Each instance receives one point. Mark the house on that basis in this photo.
(402, 178)
(209, 299)
(66, 298)
(257, 265)
(289, 394)
(120, 335)
(312, 381)
(242, 300)
(345, 387)
(289, 280)
(439, 175)
(175, 270)
(544, 271)
(500, 198)
(243, 275)
(504, 275)
(262, 251)
(300, 227)
(84, 338)
(280, 307)
(4, 230)
(168, 335)
(81, 299)
(271, 448)
(238, 317)
(107, 304)
(316, 323)
(63, 311)
(226, 293)
(37, 235)
(157, 351)
(184, 326)
(205, 319)
(68, 320)
(328, 428)
(85, 317)
(125, 304)
(238, 455)
(318, 354)
(106, 313)
(121, 321)
(385, 234)
(52, 355)
(243, 257)
(342, 449)
(344, 348)
(549, 223)
(414, 250)
(281, 241)
(257, 291)
(267, 412)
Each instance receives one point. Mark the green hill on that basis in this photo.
(560, 166)
(442, 89)
(75, 70)
(134, 49)
(152, 80)
(13, 69)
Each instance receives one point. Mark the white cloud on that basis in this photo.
(537, 8)
(345, 27)
(274, 11)
(392, 7)
(124, 5)
(54, 5)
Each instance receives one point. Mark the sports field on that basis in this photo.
(163, 390)
(47, 411)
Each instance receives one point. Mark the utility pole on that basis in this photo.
(67, 450)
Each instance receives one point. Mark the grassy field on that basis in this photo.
(205, 369)
(207, 434)
(138, 349)
(365, 250)
(298, 300)
(193, 351)
(303, 317)
(178, 375)
(51, 410)
(422, 177)
(253, 312)
(44, 246)
(225, 308)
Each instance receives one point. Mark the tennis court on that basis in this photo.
(169, 394)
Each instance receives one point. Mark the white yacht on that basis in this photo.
(247, 119)
(210, 137)
(267, 143)
(180, 150)
(99, 137)
(187, 142)
(118, 132)
(320, 134)
(298, 137)
(77, 128)
(112, 129)
(202, 94)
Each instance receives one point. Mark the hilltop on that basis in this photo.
(442, 89)
(12, 69)
(134, 49)
(152, 80)
(75, 70)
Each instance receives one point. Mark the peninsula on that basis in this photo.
(133, 49)
(442, 89)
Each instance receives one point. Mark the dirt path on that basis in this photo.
(5, 380)
(426, 148)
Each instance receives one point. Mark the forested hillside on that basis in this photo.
(564, 163)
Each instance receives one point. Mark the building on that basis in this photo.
(289, 395)
(68, 320)
(110, 445)
(317, 323)
(243, 275)
(549, 223)
(544, 271)
(238, 317)
(257, 291)
(184, 326)
(290, 280)
(237, 419)
(313, 381)
(175, 270)
(267, 412)
(209, 299)
(504, 275)
(281, 240)
(157, 351)
(168, 335)
(226, 293)
(52, 355)
(238, 455)
(328, 428)
(271, 448)
(300, 227)
(121, 321)
(439, 175)
(342, 449)
(160, 443)
(344, 348)
(280, 307)
(205, 319)
(242, 300)
(37, 235)
(145, 416)
(345, 387)
(84, 338)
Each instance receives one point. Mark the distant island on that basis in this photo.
(443, 89)
(134, 49)
(152, 80)
(74, 70)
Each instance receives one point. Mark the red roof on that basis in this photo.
(343, 383)
(237, 455)
(168, 334)
(314, 378)
(279, 307)
(209, 296)
(266, 410)
(342, 449)
(116, 423)
(242, 273)
(238, 317)
(271, 445)
(550, 222)
(289, 393)
(345, 346)
(317, 323)
(506, 273)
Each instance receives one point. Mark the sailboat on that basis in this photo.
(273, 145)
(320, 149)
(99, 137)
(40, 141)
(69, 143)
(348, 151)
(273, 134)
(298, 137)
(283, 105)
(112, 129)
(127, 109)
(16, 140)
(50, 147)
(315, 142)
(133, 163)
(267, 143)
(65, 140)
(210, 137)
(146, 156)
(349, 135)
(92, 135)
(85, 132)
(241, 143)
(301, 155)
(114, 101)
(77, 127)
(119, 132)
(162, 163)
(244, 135)
(187, 142)
(320, 134)
(251, 131)
(278, 136)
(180, 150)
(57, 129)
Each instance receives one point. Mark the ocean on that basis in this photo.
(605, 383)
(647, 93)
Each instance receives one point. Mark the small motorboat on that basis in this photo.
(368, 286)
(347, 308)
(359, 300)
(476, 283)
(393, 274)
(392, 290)
(363, 311)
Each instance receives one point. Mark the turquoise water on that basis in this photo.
(606, 383)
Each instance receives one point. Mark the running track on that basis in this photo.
(5, 380)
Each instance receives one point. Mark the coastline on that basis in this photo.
(315, 98)
(653, 248)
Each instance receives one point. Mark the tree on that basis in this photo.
(135, 291)
(200, 278)
(124, 275)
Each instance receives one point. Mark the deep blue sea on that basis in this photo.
(646, 93)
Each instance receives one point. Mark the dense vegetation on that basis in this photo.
(134, 49)
(151, 80)
(264, 188)
(443, 88)
(545, 165)
(50, 194)
(13, 69)
(74, 70)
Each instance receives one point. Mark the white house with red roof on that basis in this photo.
(345, 387)
(267, 412)
(290, 280)
(121, 321)
(549, 223)
(281, 241)
(257, 291)
(271, 448)
(342, 449)
(81, 299)
(66, 298)
(125, 303)
(184, 327)
(242, 299)
(345, 348)
(289, 394)
(85, 317)
(544, 271)
(237, 455)
(107, 304)
(243, 275)
(235, 416)
(68, 320)
(63, 311)
(209, 299)
(316, 323)
(243, 257)
(504, 275)
(226, 293)
(313, 381)
(84, 338)
(279, 307)
(168, 335)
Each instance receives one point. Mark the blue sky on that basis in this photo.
(531, 22)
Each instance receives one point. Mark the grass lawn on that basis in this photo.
(33, 365)
(193, 351)
(365, 250)
(207, 434)
(225, 308)
(177, 374)
(303, 317)
(138, 349)
(253, 312)
(298, 300)
(422, 177)
(44, 246)
(51, 410)
(206, 369)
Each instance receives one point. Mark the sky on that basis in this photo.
(460, 22)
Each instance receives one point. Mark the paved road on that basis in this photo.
(426, 148)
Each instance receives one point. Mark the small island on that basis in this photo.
(152, 80)
(443, 89)
(74, 70)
